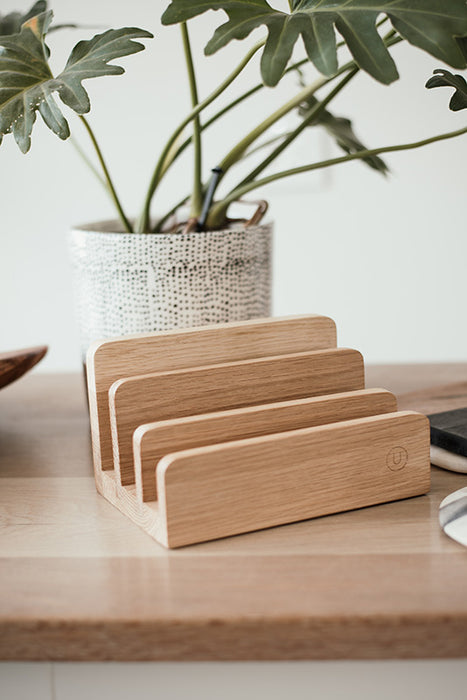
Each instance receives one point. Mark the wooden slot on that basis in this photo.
(179, 393)
(109, 360)
(154, 440)
(226, 489)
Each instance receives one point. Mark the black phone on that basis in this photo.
(449, 439)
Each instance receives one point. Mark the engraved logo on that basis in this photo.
(397, 458)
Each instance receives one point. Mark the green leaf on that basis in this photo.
(443, 78)
(341, 129)
(11, 23)
(462, 43)
(89, 59)
(24, 74)
(27, 83)
(432, 25)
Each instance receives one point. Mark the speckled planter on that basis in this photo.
(136, 283)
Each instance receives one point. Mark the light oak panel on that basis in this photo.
(220, 490)
(154, 440)
(169, 395)
(130, 356)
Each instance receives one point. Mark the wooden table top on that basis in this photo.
(78, 581)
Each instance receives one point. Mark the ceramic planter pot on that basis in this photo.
(129, 283)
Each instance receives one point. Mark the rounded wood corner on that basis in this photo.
(164, 465)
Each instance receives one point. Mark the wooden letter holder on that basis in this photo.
(215, 431)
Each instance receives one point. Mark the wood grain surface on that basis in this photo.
(166, 395)
(15, 363)
(154, 440)
(245, 485)
(110, 360)
(435, 400)
(79, 581)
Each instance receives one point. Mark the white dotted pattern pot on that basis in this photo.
(128, 283)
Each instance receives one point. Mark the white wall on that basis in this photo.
(385, 258)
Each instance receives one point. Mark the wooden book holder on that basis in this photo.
(210, 432)
(187, 392)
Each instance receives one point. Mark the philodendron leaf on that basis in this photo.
(432, 25)
(462, 42)
(24, 75)
(443, 78)
(11, 23)
(27, 83)
(89, 59)
(341, 129)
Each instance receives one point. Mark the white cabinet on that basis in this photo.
(305, 680)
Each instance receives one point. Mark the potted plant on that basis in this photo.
(165, 268)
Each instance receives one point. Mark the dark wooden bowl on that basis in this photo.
(17, 362)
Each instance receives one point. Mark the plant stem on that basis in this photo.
(264, 144)
(238, 100)
(160, 222)
(393, 40)
(239, 149)
(256, 88)
(261, 86)
(306, 121)
(252, 91)
(125, 221)
(237, 152)
(248, 187)
(143, 222)
(197, 195)
(89, 164)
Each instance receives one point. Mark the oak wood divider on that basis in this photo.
(210, 432)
